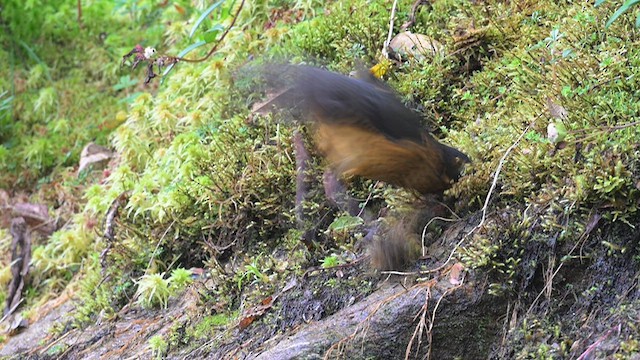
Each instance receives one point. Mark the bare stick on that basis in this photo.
(424, 230)
(215, 47)
(412, 15)
(433, 317)
(109, 226)
(486, 201)
(80, 14)
(385, 48)
(153, 255)
(11, 310)
(587, 353)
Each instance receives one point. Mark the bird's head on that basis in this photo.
(454, 161)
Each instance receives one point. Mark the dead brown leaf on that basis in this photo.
(456, 274)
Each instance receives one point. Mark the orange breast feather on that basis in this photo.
(355, 151)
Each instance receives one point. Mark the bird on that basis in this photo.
(363, 129)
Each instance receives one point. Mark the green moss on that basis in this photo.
(211, 185)
(159, 346)
(153, 290)
(209, 325)
(351, 32)
(179, 279)
(100, 296)
(57, 349)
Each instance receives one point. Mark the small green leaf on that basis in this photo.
(556, 132)
(5, 104)
(212, 34)
(125, 82)
(330, 261)
(226, 11)
(345, 222)
(204, 16)
(190, 48)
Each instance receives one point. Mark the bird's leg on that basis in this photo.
(336, 192)
(303, 183)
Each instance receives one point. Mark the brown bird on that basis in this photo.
(363, 129)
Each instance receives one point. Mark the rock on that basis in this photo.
(95, 155)
(36, 216)
(388, 316)
(417, 46)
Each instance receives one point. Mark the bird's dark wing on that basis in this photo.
(337, 98)
(363, 129)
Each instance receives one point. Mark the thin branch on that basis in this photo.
(367, 200)
(419, 329)
(412, 15)
(109, 226)
(153, 255)
(385, 48)
(13, 308)
(497, 173)
(215, 47)
(424, 230)
(80, 14)
(587, 353)
(623, 126)
(433, 316)
(487, 199)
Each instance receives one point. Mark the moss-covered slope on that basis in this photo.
(540, 95)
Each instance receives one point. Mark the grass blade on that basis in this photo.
(204, 16)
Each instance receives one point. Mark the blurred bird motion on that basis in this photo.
(361, 127)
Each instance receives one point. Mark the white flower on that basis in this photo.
(149, 52)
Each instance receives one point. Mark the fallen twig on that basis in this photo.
(487, 199)
(153, 255)
(412, 14)
(385, 47)
(109, 227)
(587, 353)
(433, 317)
(20, 261)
